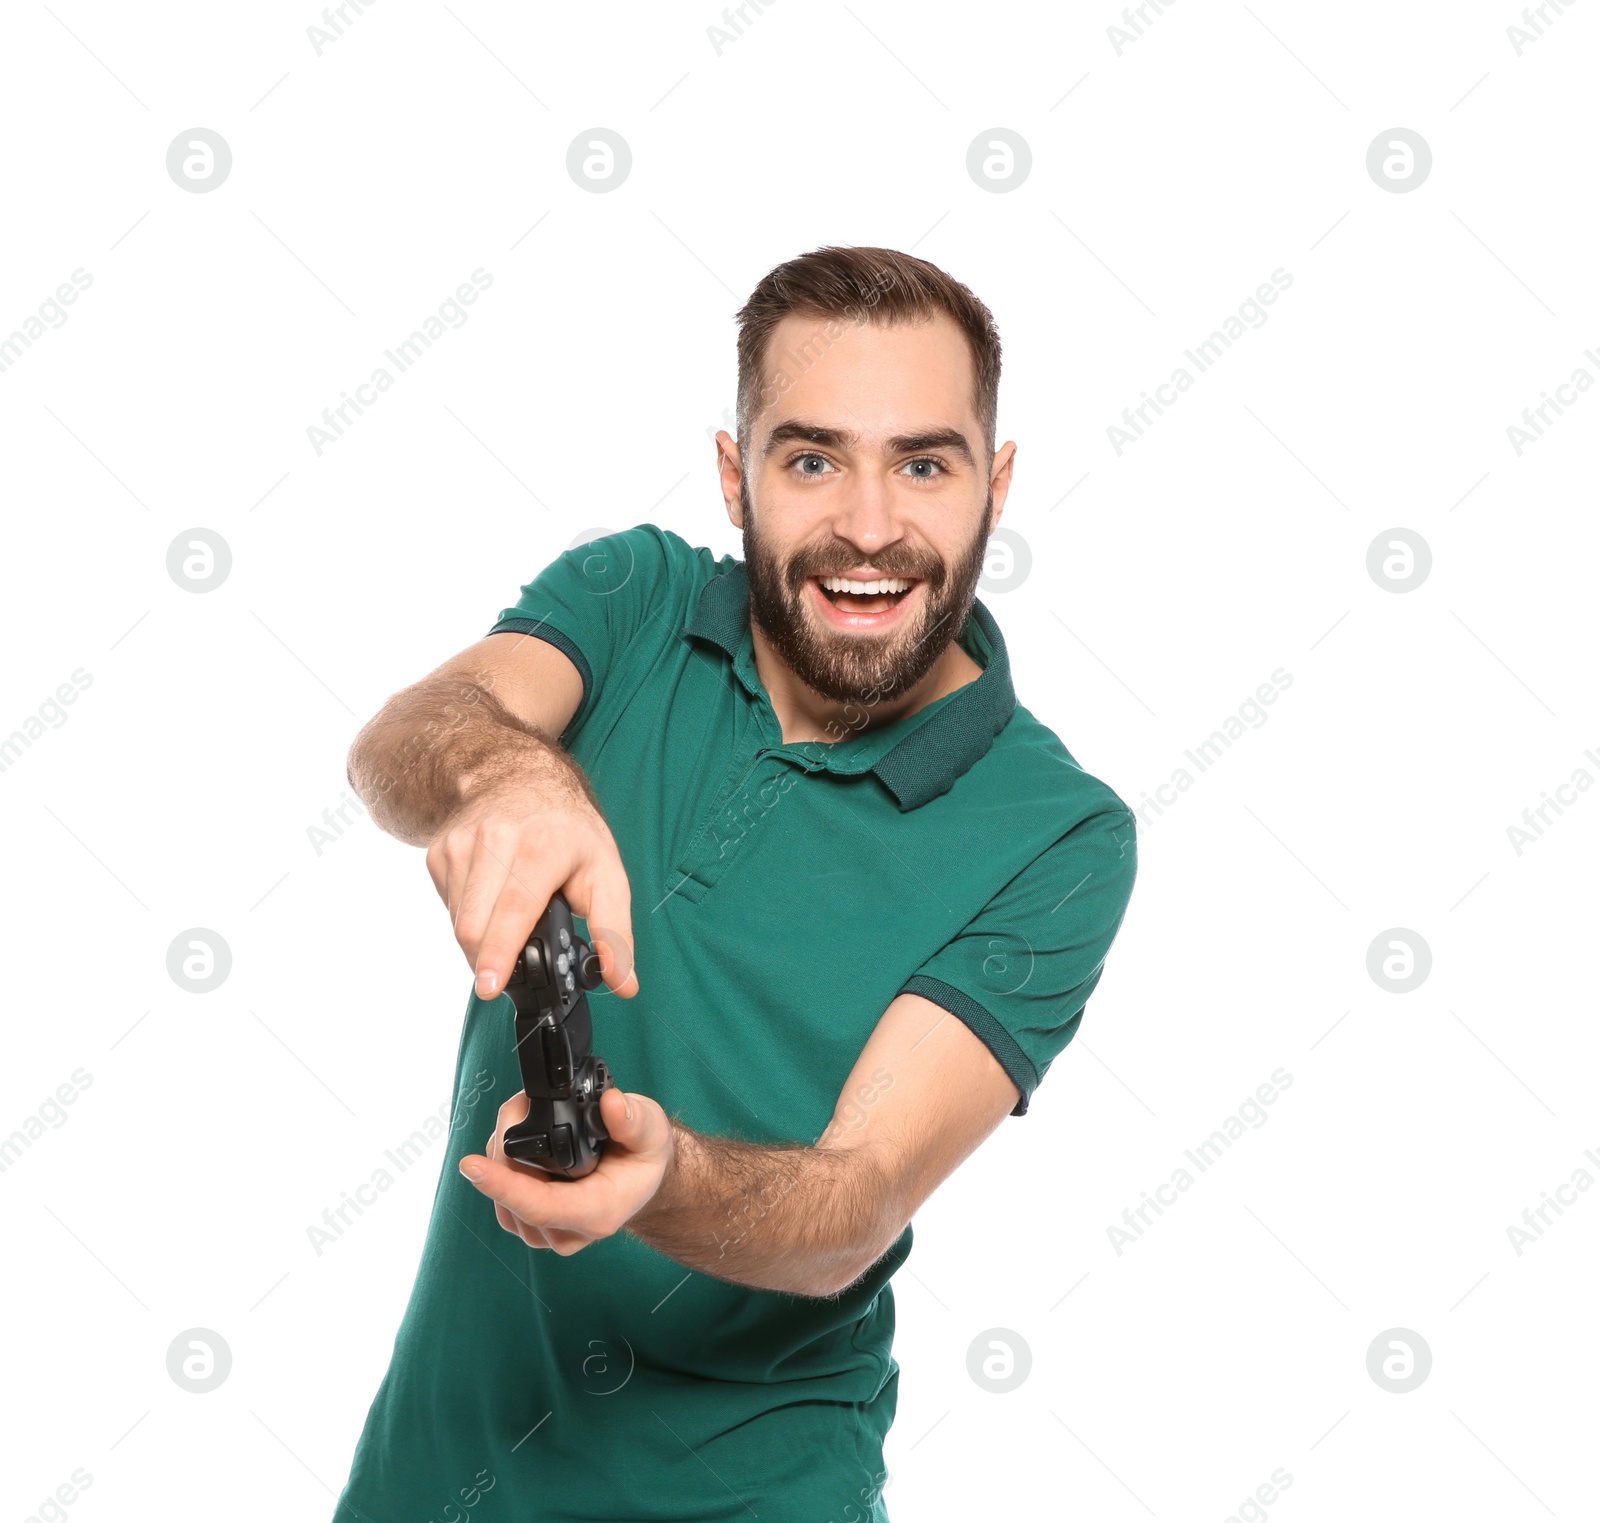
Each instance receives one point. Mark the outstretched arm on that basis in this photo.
(806, 1219)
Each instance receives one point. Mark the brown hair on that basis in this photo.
(864, 285)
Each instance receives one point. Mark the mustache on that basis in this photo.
(838, 557)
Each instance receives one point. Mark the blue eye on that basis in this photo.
(806, 460)
(921, 475)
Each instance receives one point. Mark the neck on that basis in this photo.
(805, 715)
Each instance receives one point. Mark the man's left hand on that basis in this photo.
(569, 1214)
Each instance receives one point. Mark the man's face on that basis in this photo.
(866, 501)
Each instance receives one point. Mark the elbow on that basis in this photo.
(827, 1282)
(357, 761)
(368, 770)
(879, 1212)
(819, 1288)
(358, 772)
(830, 1286)
(823, 1288)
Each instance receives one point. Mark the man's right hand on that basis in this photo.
(464, 762)
(498, 859)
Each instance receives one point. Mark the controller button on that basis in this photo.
(565, 937)
(562, 1149)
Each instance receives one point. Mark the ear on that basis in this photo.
(1000, 478)
(730, 471)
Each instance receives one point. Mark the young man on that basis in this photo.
(853, 899)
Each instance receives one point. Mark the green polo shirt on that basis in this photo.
(783, 895)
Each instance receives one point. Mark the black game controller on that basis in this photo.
(563, 1133)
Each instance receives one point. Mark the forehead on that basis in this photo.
(874, 378)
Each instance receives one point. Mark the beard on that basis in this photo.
(862, 669)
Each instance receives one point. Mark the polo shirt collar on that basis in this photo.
(917, 758)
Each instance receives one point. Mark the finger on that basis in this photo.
(512, 1110)
(524, 894)
(534, 1237)
(608, 909)
(566, 1243)
(493, 1149)
(540, 1202)
(448, 857)
(510, 1113)
(479, 890)
(530, 1233)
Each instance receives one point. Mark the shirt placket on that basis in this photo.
(755, 791)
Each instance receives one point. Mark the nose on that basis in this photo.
(864, 514)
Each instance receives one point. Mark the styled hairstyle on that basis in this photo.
(861, 285)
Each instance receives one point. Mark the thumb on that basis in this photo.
(635, 1122)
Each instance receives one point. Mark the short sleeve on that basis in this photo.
(1020, 974)
(591, 601)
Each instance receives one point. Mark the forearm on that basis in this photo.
(443, 741)
(806, 1220)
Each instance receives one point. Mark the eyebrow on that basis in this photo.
(844, 440)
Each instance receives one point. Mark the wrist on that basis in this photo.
(669, 1192)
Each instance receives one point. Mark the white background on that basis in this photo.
(1168, 581)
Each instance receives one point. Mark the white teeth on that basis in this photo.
(866, 589)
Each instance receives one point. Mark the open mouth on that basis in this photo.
(852, 596)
